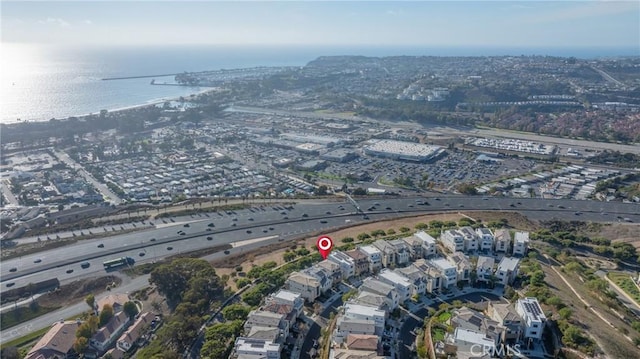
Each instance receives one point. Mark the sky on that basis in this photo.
(413, 23)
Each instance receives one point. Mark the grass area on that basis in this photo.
(22, 341)
(23, 314)
(437, 334)
(626, 283)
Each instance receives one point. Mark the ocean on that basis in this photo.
(40, 82)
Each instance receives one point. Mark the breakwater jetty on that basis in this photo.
(135, 77)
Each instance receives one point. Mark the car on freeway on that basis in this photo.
(152, 240)
(142, 254)
(187, 225)
(304, 215)
(69, 271)
(169, 248)
(85, 265)
(249, 231)
(14, 269)
(211, 225)
(10, 284)
(323, 221)
(209, 238)
(37, 260)
(101, 245)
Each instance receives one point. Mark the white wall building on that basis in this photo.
(520, 243)
(256, 348)
(507, 270)
(347, 264)
(448, 270)
(453, 240)
(486, 239)
(502, 240)
(356, 311)
(534, 319)
(428, 244)
(403, 285)
(374, 256)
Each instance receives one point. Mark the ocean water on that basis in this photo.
(40, 82)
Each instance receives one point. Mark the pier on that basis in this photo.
(135, 77)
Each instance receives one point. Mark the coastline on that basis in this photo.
(152, 102)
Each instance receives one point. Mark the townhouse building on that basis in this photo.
(521, 244)
(377, 286)
(402, 284)
(486, 238)
(507, 270)
(463, 265)
(417, 277)
(453, 240)
(332, 269)
(357, 311)
(533, 316)
(428, 244)
(448, 270)
(360, 261)
(415, 246)
(108, 334)
(434, 276)
(388, 253)
(256, 348)
(507, 316)
(129, 338)
(484, 268)
(502, 241)
(374, 257)
(470, 239)
(346, 263)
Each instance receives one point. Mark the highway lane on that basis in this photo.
(232, 226)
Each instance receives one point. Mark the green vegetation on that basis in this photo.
(438, 334)
(189, 285)
(235, 312)
(625, 282)
(219, 339)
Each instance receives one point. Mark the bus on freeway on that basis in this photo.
(113, 263)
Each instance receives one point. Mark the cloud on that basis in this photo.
(87, 22)
(55, 21)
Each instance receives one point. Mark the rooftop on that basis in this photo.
(508, 264)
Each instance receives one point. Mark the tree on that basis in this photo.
(131, 309)
(80, 345)
(537, 278)
(91, 302)
(187, 278)
(235, 312)
(359, 192)
(565, 313)
(363, 236)
(404, 229)
(421, 226)
(106, 314)
(288, 256)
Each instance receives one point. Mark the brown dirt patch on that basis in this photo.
(514, 219)
(620, 232)
(74, 291)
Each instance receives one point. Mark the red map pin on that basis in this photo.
(325, 245)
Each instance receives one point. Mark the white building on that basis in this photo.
(476, 343)
(448, 271)
(486, 239)
(308, 286)
(520, 243)
(484, 268)
(428, 244)
(401, 150)
(356, 311)
(470, 239)
(502, 240)
(403, 285)
(402, 252)
(347, 264)
(377, 286)
(417, 277)
(453, 240)
(374, 256)
(388, 252)
(534, 319)
(507, 270)
(256, 348)
(463, 265)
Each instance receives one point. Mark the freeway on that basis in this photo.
(305, 218)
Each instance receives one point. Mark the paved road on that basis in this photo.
(8, 195)
(107, 194)
(286, 223)
(65, 313)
